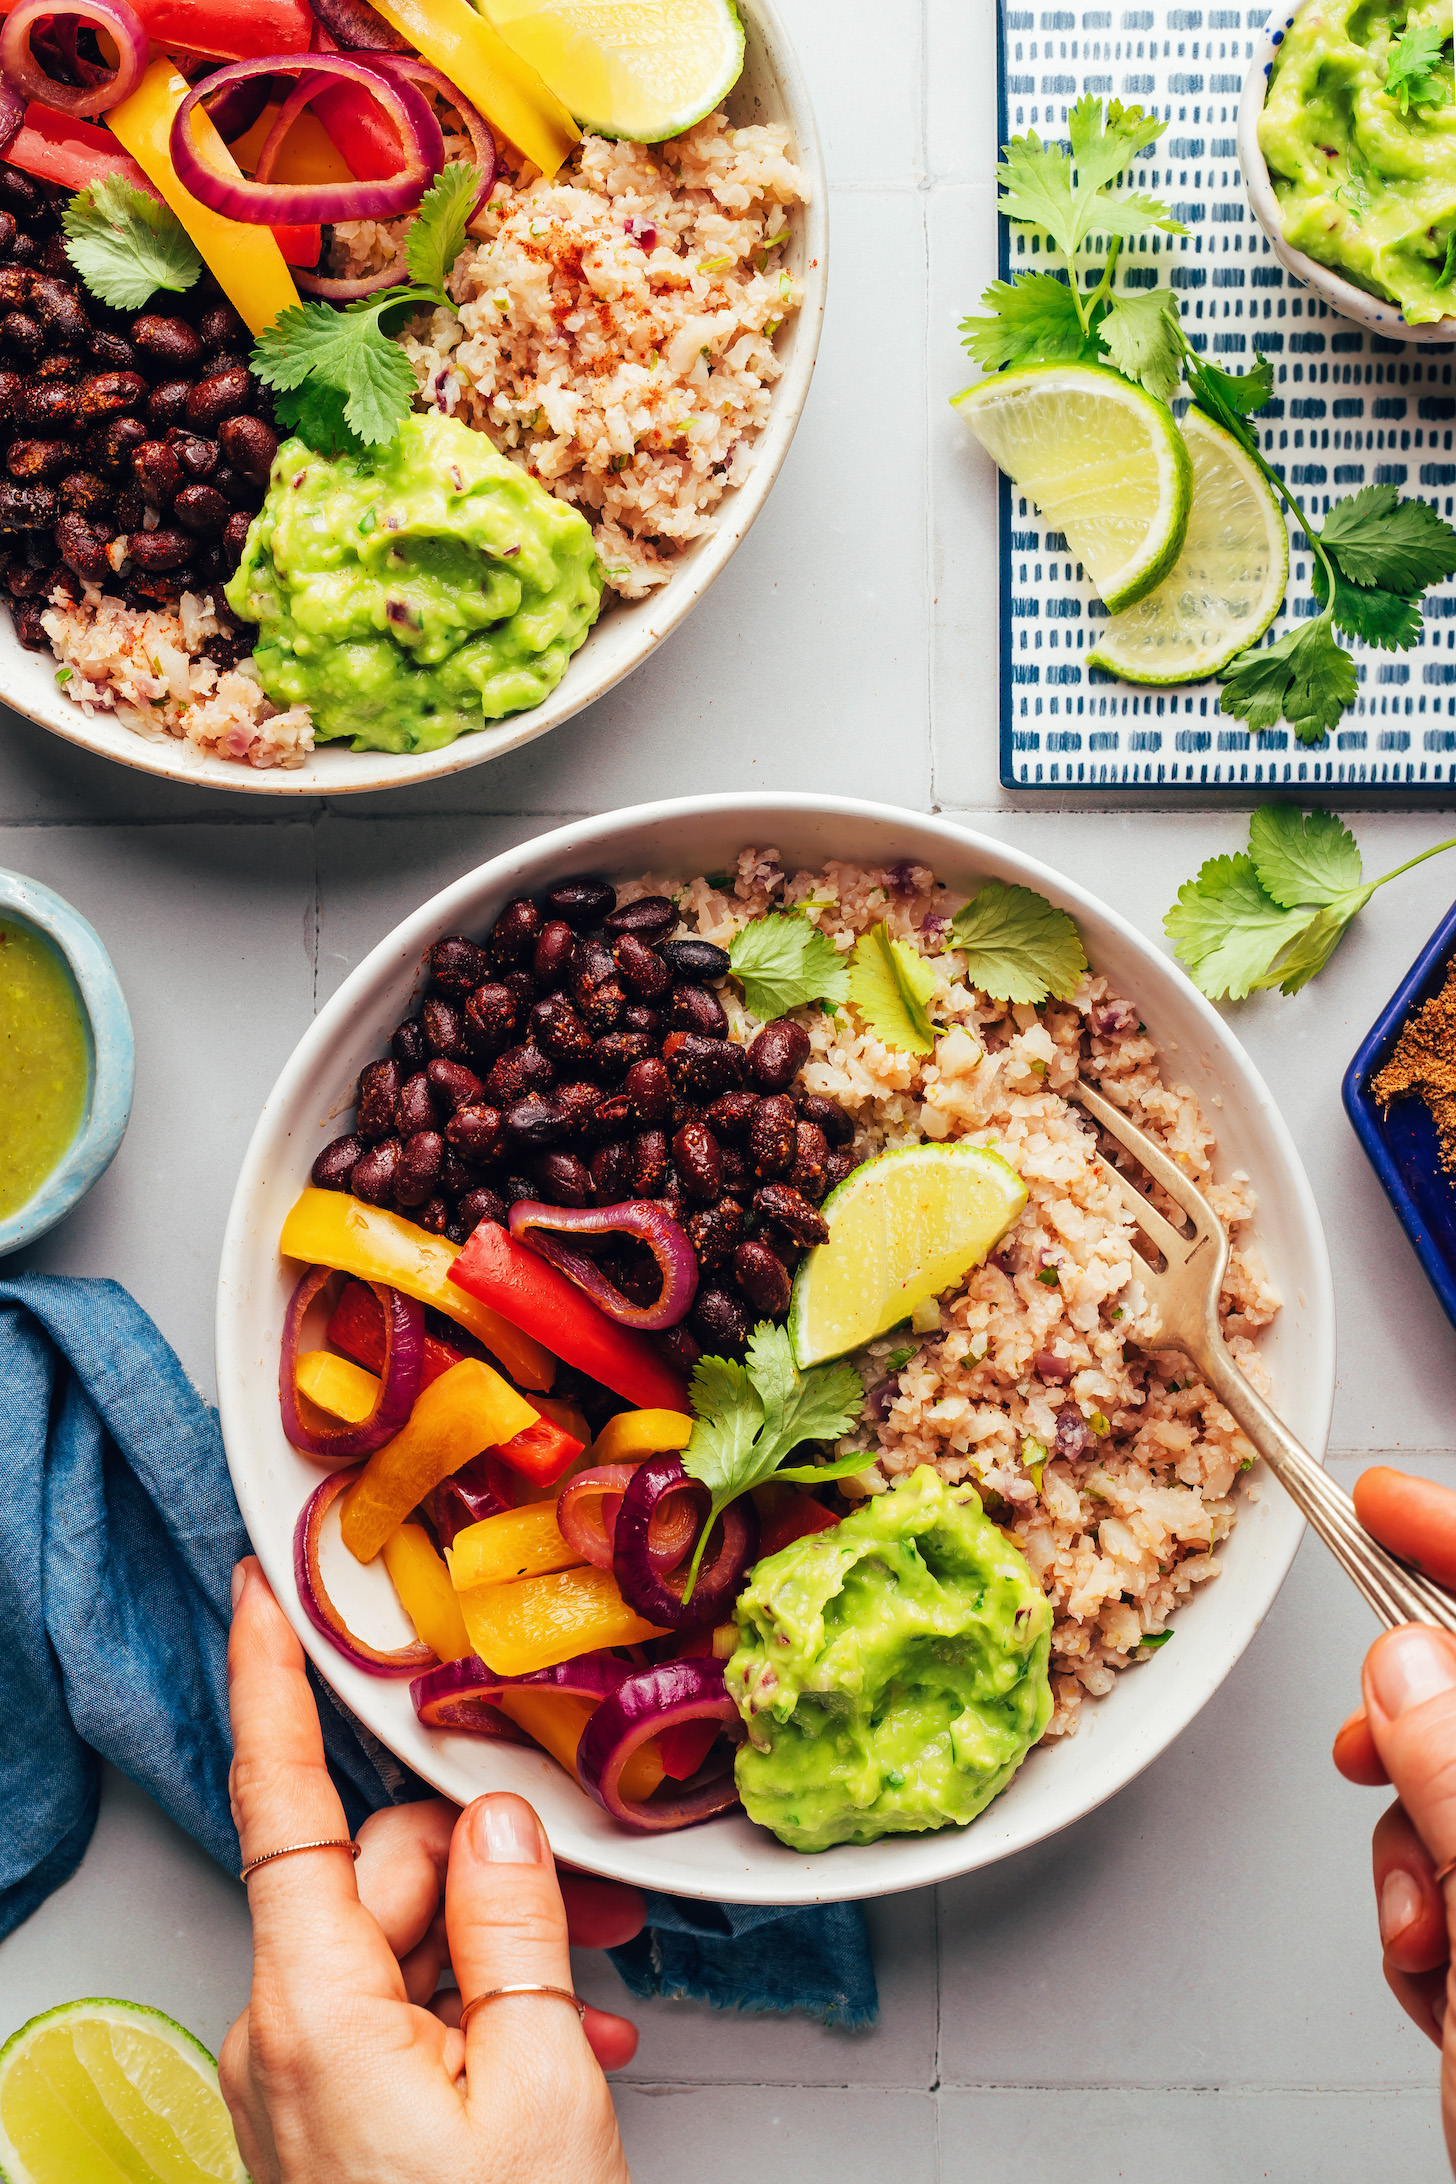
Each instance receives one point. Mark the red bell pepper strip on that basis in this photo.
(539, 1453)
(683, 1748)
(223, 29)
(539, 1300)
(795, 1517)
(360, 131)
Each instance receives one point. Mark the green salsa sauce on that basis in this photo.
(1363, 187)
(45, 1067)
(891, 1673)
(415, 591)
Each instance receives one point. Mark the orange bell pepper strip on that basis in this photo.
(491, 73)
(556, 1719)
(634, 1434)
(533, 1295)
(344, 1390)
(535, 1622)
(305, 155)
(468, 1409)
(245, 258)
(518, 1543)
(327, 1228)
(425, 1592)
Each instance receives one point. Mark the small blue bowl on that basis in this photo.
(1401, 1140)
(111, 1053)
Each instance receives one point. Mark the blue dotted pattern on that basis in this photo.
(1350, 408)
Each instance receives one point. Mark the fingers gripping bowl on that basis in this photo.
(729, 1856)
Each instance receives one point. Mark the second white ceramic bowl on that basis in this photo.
(1352, 302)
(730, 1858)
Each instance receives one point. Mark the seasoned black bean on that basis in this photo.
(443, 1025)
(577, 1102)
(719, 1322)
(778, 1054)
(649, 917)
(374, 1102)
(582, 903)
(515, 932)
(62, 313)
(26, 581)
(731, 1115)
(82, 546)
(610, 1118)
(612, 1173)
(596, 988)
(839, 1165)
(27, 507)
(47, 407)
(335, 1164)
(171, 347)
(521, 1069)
(111, 450)
(408, 1044)
(105, 395)
(414, 1109)
(158, 587)
(109, 353)
(164, 548)
(30, 629)
(697, 1008)
(612, 1056)
(167, 404)
(22, 336)
(771, 1142)
(535, 1120)
(554, 957)
(637, 1017)
(556, 1026)
(762, 1278)
(199, 458)
(235, 538)
(221, 327)
(829, 1115)
(39, 461)
(201, 510)
(12, 388)
(452, 1085)
(715, 1233)
(698, 1160)
(649, 1163)
(222, 394)
(476, 1206)
(680, 1346)
(737, 1175)
(433, 1215)
(475, 1131)
(564, 1179)
(419, 1167)
(702, 1068)
(58, 367)
(640, 971)
(375, 1171)
(800, 1221)
(87, 495)
(157, 471)
(521, 987)
(648, 1089)
(809, 1173)
(457, 966)
(249, 446)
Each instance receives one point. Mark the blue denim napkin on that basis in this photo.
(118, 1536)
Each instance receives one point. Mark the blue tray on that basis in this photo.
(1401, 1140)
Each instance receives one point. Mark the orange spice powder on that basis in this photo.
(1424, 1065)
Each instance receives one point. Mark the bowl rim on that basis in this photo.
(111, 1049)
(334, 770)
(586, 843)
(1344, 296)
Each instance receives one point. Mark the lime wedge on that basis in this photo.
(102, 2092)
(902, 1228)
(1103, 460)
(644, 72)
(1224, 589)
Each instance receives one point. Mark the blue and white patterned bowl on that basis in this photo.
(1371, 312)
(111, 1053)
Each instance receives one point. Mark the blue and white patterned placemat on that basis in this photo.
(1349, 409)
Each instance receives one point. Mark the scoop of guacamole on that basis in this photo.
(415, 591)
(1361, 150)
(892, 1673)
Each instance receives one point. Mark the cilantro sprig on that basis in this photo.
(1417, 73)
(339, 381)
(1374, 555)
(1018, 946)
(748, 1417)
(126, 244)
(1274, 916)
(784, 962)
(890, 984)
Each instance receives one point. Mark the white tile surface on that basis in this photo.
(1187, 1984)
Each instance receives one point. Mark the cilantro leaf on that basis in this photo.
(1017, 946)
(1226, 932)
(1143, 337)
(747, 1418)
(437, 236)
(1150, 1642)
(1389, 619)
(126, 244)
(1312, 948)
(890, 983)
(315, 413)
(1305, 679)
(1448, 269)
(1034, 321)
(1299, 859)
(783, 961)
(1036, 189)
(347, 351)
(1102, 149)
(1414, 75)
(1400, 545)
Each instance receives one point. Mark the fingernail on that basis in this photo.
(239, 1580)
(1400, 1904)
(1412, 1665)
(507, 1832)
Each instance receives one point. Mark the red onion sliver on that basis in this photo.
(641, 1707)
(271, 204)
(446, 1696)
(399, 1383)
(479, 1489)
(539, 1225)
(355, 26)
(319, 1608)
(586, 1510)
(12, 114)
(644, 1583)
(429, 78)
(233, 111)
(76, 101)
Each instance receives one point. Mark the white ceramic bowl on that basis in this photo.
(772, 88)
(1341, 295)
(730, 1858)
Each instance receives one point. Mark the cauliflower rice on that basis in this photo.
(1109, 1461)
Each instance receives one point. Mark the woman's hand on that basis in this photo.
(1405, 1734)
(339, 2071)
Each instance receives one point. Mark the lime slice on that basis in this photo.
(110, 2093)
(645, 72)
(902, 1228)
(1103, 460)
(1224, 589)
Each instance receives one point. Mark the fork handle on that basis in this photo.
(1397, 1593)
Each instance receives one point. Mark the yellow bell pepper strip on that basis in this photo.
(535, 1622)
(305, 155)
(344, 1390)
(246, 260)
(328, 1228)
(475, 56)
(425, 1592)
(636, 1433)
(518, 1543)
(468, 1409)
(556, 1719)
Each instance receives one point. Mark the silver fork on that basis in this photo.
(1186, 1299)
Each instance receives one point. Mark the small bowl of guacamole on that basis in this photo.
(1347, 139)
(67, 1059)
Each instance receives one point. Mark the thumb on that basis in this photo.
(1410, 1701)
(507, 1927)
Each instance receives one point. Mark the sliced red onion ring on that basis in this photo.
(233, 111)
(644, 1584)
(586, 1510)
(399, 1383)
(77, 101)
(458, 1694)
(427, 77)
(12, 114)
(354, 25)
(273, 204)
(320, 1609)
(642, 1706)
(477, 1490)
(643, 1219)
